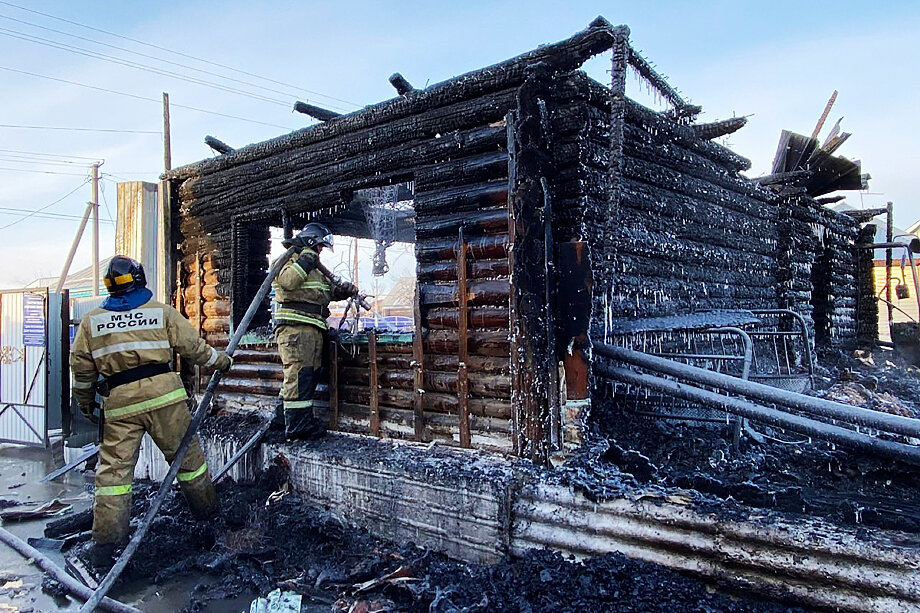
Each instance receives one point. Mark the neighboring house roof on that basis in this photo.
(80, 283)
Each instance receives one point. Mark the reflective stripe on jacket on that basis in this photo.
(294, 284)
(110, 342)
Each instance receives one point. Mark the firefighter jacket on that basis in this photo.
(110, 342)
(303, 296)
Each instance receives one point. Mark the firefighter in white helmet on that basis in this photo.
(129, 343)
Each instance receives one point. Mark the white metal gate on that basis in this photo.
(27, 360)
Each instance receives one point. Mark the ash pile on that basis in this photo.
(268, 538)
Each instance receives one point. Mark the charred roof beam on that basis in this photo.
(402, 86)
(218, 145)
(316, 112)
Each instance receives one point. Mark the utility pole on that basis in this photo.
(96, 228)
(167, 149)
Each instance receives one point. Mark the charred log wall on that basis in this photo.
(454, 149)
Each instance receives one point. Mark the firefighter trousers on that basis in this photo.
(301, 350)
(118, 453)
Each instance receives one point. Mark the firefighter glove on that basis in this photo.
(349, 288)
(307, 260)
(224, 362)
(89, 411)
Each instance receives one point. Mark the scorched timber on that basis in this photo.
(566, 55)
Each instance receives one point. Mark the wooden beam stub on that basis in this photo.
(402, 86)
(316, 112)
(218, 145)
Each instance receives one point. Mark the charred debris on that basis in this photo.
(554, 216)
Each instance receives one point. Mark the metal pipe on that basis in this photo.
(774, 417)
(255, 438)
(197, 418)
(59, 574)
(819, 406)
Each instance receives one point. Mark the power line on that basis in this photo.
(106, 202)
(158, 59)
(45, 172)
(25, 213)
(137, 97)
(21, 159)
(178, 53)
(47, 206)
(114, 60)
(70, 129)
(53, 155)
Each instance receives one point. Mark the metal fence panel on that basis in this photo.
(23, 373)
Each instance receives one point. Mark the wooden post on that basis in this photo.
(199, 310)
(463, 384)
(532, 356)
(167, 147)
(334, 385)
(889, 237)
(418, 372)
(374, 384)
(515, 346)
(96, 229)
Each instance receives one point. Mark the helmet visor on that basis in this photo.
(327, 241)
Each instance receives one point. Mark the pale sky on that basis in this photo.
(778, 62)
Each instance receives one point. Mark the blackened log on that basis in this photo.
(640, 115)
(463, 197)
(476, 168)
(435, 403)
(486, 343)
(480, 385)
(531, 379)
(481, 318)
(716, 129)
(433, 362)
(402, 86)
(488, 221)
(218, 145)
(481, 292)
(561, 57)
(486, 247)
(318, 113)
(258, 189)
(447, 271)
(641, 66)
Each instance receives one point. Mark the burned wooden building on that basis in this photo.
(562, 231)
(548, 211)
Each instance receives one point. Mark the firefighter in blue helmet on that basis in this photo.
(303, 293)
